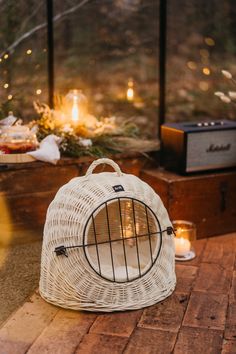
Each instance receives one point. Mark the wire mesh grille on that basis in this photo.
(122, 239)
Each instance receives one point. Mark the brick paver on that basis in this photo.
(199, 317)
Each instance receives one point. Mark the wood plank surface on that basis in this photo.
(27, 211)
(207, 199)
(26, 190)
(36, 180)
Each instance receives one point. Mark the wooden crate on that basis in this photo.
(27, 189)
(209, 200)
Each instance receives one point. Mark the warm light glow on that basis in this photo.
(9, 97)
(206, 71)
(38, 92)
(192, 65)
(203, 85)
(6, 85)
(6, 221)
(0, 60)
(130, 94)
(182, 246)
(209, 41)
(129, 234)
(185, 233)
(6, 56)
(75, 110)
(130, 90)
(29, 51)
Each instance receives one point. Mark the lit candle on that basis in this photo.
(182, 246)
(75, 110)
(130, 90)
(185, 233)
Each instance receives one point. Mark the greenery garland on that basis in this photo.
(80, 140)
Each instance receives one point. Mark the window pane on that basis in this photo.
(104, 48)
(201, 42)
(23, 53)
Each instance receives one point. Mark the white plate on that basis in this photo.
(187, 257)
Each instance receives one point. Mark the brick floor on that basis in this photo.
(199, 317)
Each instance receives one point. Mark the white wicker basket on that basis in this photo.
(108, 244)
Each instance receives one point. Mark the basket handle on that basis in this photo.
(110, 162)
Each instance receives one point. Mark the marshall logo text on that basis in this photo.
(217, 148)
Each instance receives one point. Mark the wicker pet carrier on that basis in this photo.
(108, 244)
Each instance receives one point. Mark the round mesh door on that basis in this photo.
(122, 239)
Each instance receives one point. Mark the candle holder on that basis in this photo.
(185, 234)
(130, 91)
(77, 106)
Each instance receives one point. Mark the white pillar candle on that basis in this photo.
(182, 246)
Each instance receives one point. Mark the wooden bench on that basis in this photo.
(27, 189)
(199, 317)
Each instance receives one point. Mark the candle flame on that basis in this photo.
(75, 110)
(130, 94)
(130, 90)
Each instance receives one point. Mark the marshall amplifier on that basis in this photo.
(191, 147)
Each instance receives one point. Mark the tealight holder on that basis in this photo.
(185, 234)
(76, 106)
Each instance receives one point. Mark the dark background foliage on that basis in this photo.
(102, 44)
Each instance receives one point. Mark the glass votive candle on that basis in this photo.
(185, 234)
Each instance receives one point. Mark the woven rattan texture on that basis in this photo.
(71, 282)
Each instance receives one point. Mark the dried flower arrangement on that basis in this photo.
(231, 95)
(89, 136)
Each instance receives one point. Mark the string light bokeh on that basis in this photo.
(100, 58)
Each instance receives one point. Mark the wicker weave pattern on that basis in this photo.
(71, 282)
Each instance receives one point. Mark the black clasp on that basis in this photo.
(170, 230)
(61, 251)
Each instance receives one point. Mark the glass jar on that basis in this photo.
(76, 107)
(17, 139)
(185, 234)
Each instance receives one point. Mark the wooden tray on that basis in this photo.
(16, 158)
